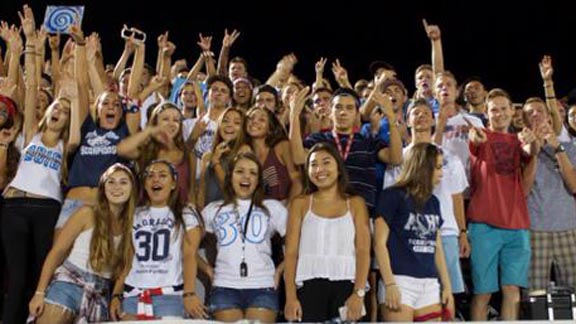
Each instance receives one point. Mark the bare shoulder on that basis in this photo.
(357, 202)
(83, 217)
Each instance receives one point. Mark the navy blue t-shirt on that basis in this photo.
(360, 163)
(412, 240)
(97, 152)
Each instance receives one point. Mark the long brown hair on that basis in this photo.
(150, 150)
(417, 172)
(276, 132)
(103, 254)
(343, 186)
(230, 195)
(236, 144)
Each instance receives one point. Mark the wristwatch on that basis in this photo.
(559, 149)
(360, 292)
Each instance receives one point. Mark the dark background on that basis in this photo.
(499, 41)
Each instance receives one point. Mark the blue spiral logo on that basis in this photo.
(59, 18)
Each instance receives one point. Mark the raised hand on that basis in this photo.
(319, 66)
(162, 40)
(477, 135)
(340, 73)
(432, 31)
(27, 21)
(4, 31)
(205, 42)
(7, 88)
(76, 33)
(229, 39)
(297, 103)
(54, 41)
(546, 70)
(42, 34)
(286, 64)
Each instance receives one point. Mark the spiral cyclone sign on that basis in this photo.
(59, 18)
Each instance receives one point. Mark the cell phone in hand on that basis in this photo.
(343, 310)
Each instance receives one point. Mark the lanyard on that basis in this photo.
(344, 154)
(244, 227)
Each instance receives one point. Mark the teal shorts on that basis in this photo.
(499, 257)
(452, 256)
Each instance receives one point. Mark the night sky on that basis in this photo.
(500, 42)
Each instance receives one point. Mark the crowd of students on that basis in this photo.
(172, 192)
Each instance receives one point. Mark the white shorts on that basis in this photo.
(415, 293)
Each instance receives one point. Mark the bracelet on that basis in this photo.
(119, 296)
(390, 284)
(188, 294)
(39, 293)
(550, 97)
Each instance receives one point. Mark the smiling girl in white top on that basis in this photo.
(327, 244)
(245, 278)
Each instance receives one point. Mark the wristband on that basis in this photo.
(188, 294)
(39, 293)
(119, 296)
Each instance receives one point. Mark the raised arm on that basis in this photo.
(41, 36)
(319, 69)
(393, 153)
(546, 71)
(205, 44)
(129, 48)
(227, 42)
(283, 70)
(95, 65)
(295, 136)
(14, 75)
(81, 76)
(433, 33)
(28, 26)
(54, 44)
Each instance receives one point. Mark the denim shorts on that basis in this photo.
(163, 306)
(69, 207)
(229, 298)
(69, 296)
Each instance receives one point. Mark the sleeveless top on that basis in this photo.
(327, 247)
(277, 181)
(80, 253)
(40, 169)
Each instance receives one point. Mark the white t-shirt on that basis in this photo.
(157, 258)
(205, 141)
(224, 223)
(455, 137)
(453, 182)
